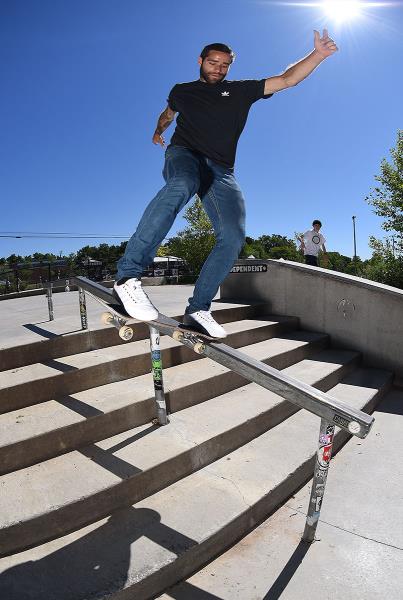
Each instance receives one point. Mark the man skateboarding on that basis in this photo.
(212, 112)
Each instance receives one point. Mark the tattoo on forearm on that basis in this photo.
(163, 122)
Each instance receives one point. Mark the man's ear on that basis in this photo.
(200, 60)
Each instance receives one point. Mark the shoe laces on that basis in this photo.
(206, 315)
(136, 292)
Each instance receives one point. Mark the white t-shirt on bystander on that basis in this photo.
(314, 242)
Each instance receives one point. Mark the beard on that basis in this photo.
(208, 78)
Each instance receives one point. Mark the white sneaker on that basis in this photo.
(203, 321)
(135, 300)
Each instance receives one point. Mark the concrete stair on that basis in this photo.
(76, 342)
(101, 503)
(23, 386)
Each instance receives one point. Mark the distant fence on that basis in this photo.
(18, 278)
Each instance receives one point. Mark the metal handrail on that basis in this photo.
(332, 412)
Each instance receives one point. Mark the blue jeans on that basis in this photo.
(187, 173)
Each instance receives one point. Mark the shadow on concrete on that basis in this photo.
(97, 564)
(393, 403)
(329, 356)
(56, 364)
(79, 407)
(134, 438)
(187, 591)
(288, 572)
(40, 331)
(114, 464)
(107, 460)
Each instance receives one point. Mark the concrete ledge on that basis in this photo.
(357, 313)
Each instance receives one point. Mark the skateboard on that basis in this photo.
(116, 315)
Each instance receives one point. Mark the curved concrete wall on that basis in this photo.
(357, 313)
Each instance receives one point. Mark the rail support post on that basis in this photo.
(83, 308)
(156, 363)
(49, 297)
(323, 456)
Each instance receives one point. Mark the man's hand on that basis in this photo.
(158, 139)
(324, 45)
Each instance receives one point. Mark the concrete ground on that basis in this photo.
(359, 549)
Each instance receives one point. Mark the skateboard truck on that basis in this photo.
(189, 339)
(125, 332)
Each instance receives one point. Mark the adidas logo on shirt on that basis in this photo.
(224, 93)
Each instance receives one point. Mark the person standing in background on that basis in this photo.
(313, 242)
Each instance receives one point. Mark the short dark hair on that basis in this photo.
(218, 48)
(316, 222)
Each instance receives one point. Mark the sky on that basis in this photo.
(84, 81)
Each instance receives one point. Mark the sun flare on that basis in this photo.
(342, 10)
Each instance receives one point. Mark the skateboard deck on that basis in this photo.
(118, 316)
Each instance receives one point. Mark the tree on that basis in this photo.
(386, 264)
(194, 243)
(387, 197)
(163, 250)
(108, 255)
(339, 262)
(274, 241)
(285, 252)
(14, 258)
(271, 246)
(39, 256)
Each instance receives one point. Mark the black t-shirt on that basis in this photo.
(212, 116)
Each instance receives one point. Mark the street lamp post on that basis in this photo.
(355, 245)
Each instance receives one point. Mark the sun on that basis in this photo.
(342, 10)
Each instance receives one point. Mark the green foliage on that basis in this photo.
(386, 264)
(14, 258)
(196, 216)
(339, 262)
(271, 246)
(387, 197)
(194, 243)
(385, 270)
(163, 250)
(285, 252)
(38, 256)
(105, 253)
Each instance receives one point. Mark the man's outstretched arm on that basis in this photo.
(324, 47)
(164, 121)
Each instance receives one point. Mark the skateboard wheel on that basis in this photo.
(107, 318)
(126, 333)
(199, 348)
(177, 335)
